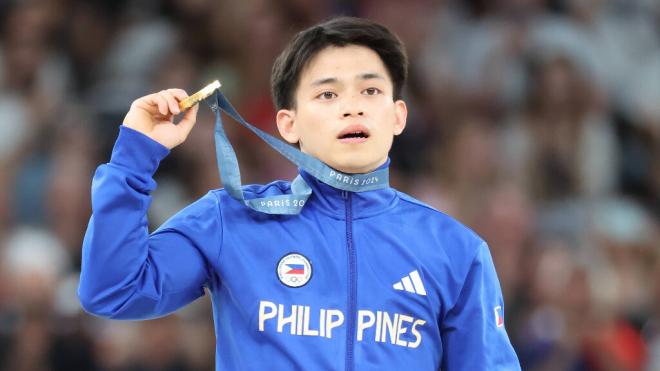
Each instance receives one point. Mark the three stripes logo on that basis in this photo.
(411, 283)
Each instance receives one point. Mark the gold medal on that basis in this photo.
(195, 98)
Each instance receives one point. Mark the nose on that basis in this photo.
(351, 106)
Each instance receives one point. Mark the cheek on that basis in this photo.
(315, 123)
(386, 119)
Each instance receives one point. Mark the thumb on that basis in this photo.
(188, 121)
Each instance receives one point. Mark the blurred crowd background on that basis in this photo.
(535, 122)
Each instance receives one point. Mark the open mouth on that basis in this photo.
(354, 134)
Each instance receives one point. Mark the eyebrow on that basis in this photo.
(369, 76)
(334, 80)
(327, 80)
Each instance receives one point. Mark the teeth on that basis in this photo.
(355, 134)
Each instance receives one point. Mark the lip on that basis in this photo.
(353, 140)
(352, 129)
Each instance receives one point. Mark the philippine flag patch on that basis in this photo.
(499, 318)
(294, 270)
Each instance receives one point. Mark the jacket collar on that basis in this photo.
(333, 201)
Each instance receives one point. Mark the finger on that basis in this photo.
(172, 103)
(179, 94)
(157, 100)
(188, 121)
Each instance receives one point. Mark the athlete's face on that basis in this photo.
(344, 113)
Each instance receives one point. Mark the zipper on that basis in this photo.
(352, 282)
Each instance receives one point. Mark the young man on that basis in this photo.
(370, 280)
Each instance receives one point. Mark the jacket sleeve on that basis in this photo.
(127, 273)
(473, 333)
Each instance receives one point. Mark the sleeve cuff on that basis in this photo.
(137, 152)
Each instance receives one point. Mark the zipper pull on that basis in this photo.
(344, 194)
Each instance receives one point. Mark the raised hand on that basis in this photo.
(153, 115)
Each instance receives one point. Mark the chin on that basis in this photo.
(353, 167)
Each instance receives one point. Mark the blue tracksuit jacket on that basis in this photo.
(358, 281)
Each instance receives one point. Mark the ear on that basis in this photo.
(400, 114)
(285, 124)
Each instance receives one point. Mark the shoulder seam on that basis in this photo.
(411, 200)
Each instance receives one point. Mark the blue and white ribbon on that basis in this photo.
(289, 204)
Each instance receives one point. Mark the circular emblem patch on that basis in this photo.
(294, 270)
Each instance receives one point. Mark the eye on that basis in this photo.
(371, 91)
(326, 95)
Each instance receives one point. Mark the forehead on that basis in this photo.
(343, 62)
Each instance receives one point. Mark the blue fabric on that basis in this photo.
(359, 246)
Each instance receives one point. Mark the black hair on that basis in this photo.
(340, 31)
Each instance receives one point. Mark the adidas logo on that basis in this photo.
(411, 283)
